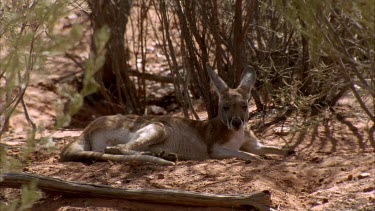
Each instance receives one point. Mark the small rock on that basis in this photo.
(282, 131)
(363, 175)
(160, 176)
(155, 110)
(248, 162)
(72, 16)
(325, 200)
(350, 177)
(368, 189)
(150, 177)
(316, 159)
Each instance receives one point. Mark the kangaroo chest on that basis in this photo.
(235, 141)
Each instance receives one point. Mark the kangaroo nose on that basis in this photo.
(236, 122)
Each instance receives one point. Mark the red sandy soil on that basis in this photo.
(333, 168)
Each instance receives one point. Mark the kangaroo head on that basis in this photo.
(233, 103)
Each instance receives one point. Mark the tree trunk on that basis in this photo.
(113, 77)
(238, 47)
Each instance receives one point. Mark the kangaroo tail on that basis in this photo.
(90, 156)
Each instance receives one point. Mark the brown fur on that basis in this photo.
(150, 138)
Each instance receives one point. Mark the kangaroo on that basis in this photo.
(163, 139)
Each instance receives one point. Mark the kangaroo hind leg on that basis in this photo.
(146, 136)
(150, 134)
(137, 149)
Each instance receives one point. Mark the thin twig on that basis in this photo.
(170, 55)
(29, 120)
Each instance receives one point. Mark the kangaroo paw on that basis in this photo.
(168, 156)
(288, 151)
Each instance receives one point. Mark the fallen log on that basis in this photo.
(259, 199)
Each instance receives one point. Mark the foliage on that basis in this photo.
(92, 64)
(29, 37)
(341, 47)
(29, 196)
(308, 54)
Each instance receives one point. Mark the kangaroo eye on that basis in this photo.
(244, 105)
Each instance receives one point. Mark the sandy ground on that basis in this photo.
(333, 168)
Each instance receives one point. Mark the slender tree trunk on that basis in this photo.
(305, 67)
(238, 48)
(189, 29)
(113, 77)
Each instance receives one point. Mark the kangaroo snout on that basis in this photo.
(236, 123)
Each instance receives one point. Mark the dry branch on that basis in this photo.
(259, 199)
(151, 77)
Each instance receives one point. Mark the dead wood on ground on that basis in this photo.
(258, 199)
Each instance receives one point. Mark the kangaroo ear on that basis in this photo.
(247, 82)
(220, 85)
